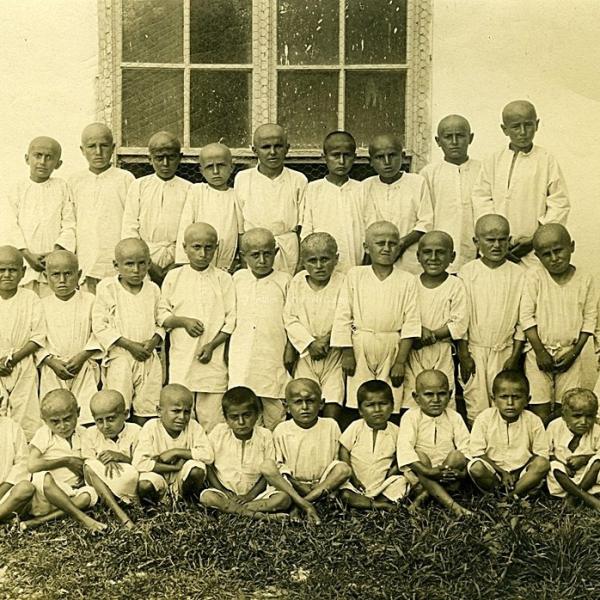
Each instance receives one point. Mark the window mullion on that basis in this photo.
(342, 63)
(186, 74)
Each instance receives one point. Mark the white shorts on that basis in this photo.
(394, 488)
(557, 490)
(40, 506)
(325, 474)
(270, 491)
(122, 485)
(173, 483)
(327, 373)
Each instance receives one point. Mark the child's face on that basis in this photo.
(510, 398)
(382, 246)
(216, 167)
(303, 404)
(241, 420)
(432, 395)
(260, 257)
(11, 271)
(339, 156)
(376, 409)
(133, 266)
(520, 125)
(319, 263)
(386, 158)
(165, 160)
(579, 415)
(61, 419)
(554, 251)
(43, 157)
(110, 420)
(97, 148)
(454, 137)
(175, 413)
(271, 149)
(492, 243)
(200, 248)
(63, 276)
(435, 255)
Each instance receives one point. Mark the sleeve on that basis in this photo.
(481, 196)
(528, 304)
(41, 439)
(300, 197)
(18, 472)
(411, 321)
(278, 441)
(229, 302)
(558, 205)
(88, 446)
(186, 219)
(38, 324)
(269, 446)
(240, 198)
(461, 435)
(11, 220)
(426, 173)
(458, 323)
(66, 238)
(201, 447)
(306, 218)
(298, 334)
(478, 441)
(135, 438)
(423, 208)
(369, 210)
(539, 438)
(407, 440)
(131, 213)
(156, 297)
(590, 308)
(551, 438)
(348, 437)
(238, 214)
(145, 450)
(341, 332)
(165, 306)
(103, 317)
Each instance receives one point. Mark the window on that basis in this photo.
(213, 70)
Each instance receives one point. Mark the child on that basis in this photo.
(258, 342)
(522, 182)
(376, 318)
(56, 461)
(240, 448)
(270, 196)
(108, 449)
(450, 183)
(306, 448)
(444, 313)
(433, 442)
(558, 315)
(213, 202)
(21, 335)
(508, 443)
(398, 197)
(124, 320)
(308, 316)
(99, 198)
(336, 204)
(198, 307)
(495, 340)
(42, 216)
(575, 449)
(368, 446)
(154, 204)
(173, 450)
(69, 349)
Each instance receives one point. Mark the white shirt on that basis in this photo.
(94, 441)
(13, 452)
(560, 436)
(22, 321)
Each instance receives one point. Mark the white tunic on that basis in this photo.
(21, 321)
(94, 441)
(560, 436)
(99, 201)
(218, 208)
(13, 452)
(208, 296)
(451, 188)
(152, 212)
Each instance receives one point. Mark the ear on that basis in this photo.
(365, 247)
(58, 164)
(253, 147)
(79, 274)
(572, 245)
(537, 124)
(81, 148)
(276, 251)
(453, 256)
(437, 140)
(336, 259)
(414, 395)
(471, 138)
(287, 149)
(115, 264)
(504, 129)
(27, 159)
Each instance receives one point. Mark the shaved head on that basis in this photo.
(61, 258)
(431, 378)
(107, 401)
(518, 108)
(197, 231)
(302, 387)
(381, 227)
(164, 140)
(437, 237)
(212, 151)
(319, 241)
(333, 139)
(269, 130)
(44, 142)
(58, 400)
(385, 140)
(550, 232)
(174, 392)
(259, 236)
(453, 121)
(9, 254)
(96, 130)
(130, 246)
(491, 222)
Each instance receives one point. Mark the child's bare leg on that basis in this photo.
(332, 410)
(336, 477)
(278, 502)
(148, 494)
(542, 411)
(109, 498)
(437, 491)
(485, 479)
(193, 484)
(364, 502)
(81, 502)
(456, 460)
(17, 499)
(537, 469)
(591, 477)
(576, 491)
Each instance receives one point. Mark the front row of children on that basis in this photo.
(243, 468)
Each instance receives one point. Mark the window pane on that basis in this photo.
(375, 32)
(153, 31)
(307, 105)
(219, 107)
(221, 31)
(152, 99)
(307, 32)
(375, 102)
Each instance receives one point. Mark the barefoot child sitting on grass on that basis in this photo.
(240, 447)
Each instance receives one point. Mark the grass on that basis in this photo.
(537, 551)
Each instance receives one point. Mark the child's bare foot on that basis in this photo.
(93, 525)
(418, 502)
(311, 514)
(129, 524)
(295, 514)
(460, 511)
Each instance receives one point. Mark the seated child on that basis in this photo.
(154, 204)
(258, 342)
(108, 449)
(398, 197)
(67, 357)
(377, 317)
(270, 196)
(433, 442)
(558, 314)
(308, 316)
(336, 204)
(99, 195)
(450, 183)
(21, 335)
(444, 313)
(172, 451)
(368, 446)
(198, 306)
(42, 218)
(124, 320)
(306, 450)
(56, 462)
(494, 339)
(16, 490)
(240, 447)
(508, 445)
(213, 202)
(523, 182)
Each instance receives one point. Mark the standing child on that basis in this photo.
(450, 183)
(433, 442)
(398, 197)
(336, 204)
(495, 340)
(198, 307)
(270, 196)
(69, 350)
(124, 320)
(173, 450)
(99, 198)
(21, 335)
(508, 443)
(523, 182)
(42, 216)
(368, 446)
(241, 447)
(213, 202)
(258, 342)
(154, 204)
(308, 316)
(444, 313)
(376, 318)
(558, 315)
